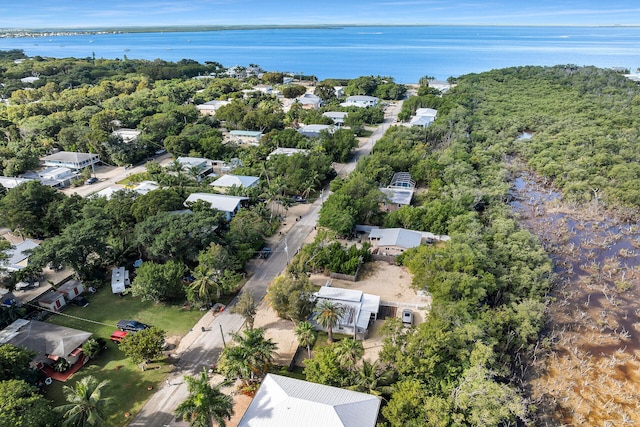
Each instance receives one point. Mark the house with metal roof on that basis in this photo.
(230, 205)
(283, 151)
(396, 197)
(227, 181)
(71, 160)
(313, 131)
(337, 117)
(251, 137)
(18, 255)
(9, 182)
(289, 402)
(394, 241)
(309, 101)
(360, 101)
(361, 309)
(209, 108)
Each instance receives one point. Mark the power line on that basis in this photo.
(68, 315)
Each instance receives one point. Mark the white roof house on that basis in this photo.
(360, 101)
(227, 181)
(398, 197)
(428, 112)
(289, 402)
(203, 165)
(423, 117)
(17, 256)
(68, 159)
(309, 100)
(230, 205)
(127, 135)
(209, 108)
(287, 152)
(337, 116)
(251, 137)
(361, 308)
(9, 182)
(119, 280)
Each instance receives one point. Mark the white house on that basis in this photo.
(361, 309)
(309, 101)
(228, 181)
(71, 160)
(423, 117)
(58, 177)
(230, 205)
(127, 135)
(360, 101)
(53, 301)
(251, 137)
(201, 164)
(9, 182)
(119, 280)
(209, 108)
(289, 402)
(397, 197)
(287, 152)
(337, 117)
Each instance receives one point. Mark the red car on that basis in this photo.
(117, 336)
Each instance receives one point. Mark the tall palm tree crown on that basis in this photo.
(205, 404)
(328, 314)
(85, 403)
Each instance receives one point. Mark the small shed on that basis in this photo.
(53, 301)
(119, 280)
(71, 289)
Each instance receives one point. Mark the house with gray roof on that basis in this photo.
(313, 131)
(337, 117)
(360, 101)
(289, 402)
(71, 160)
(361, 309)
(309, 101)
(18, 255)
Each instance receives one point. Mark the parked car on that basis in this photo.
(23, 286)
(407, 317)
(80, 301)
(131, 325)
(298, 199)
(160, 151)
(264, 253)
(117, 336)
(91, 180)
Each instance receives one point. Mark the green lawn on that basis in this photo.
(128, 386)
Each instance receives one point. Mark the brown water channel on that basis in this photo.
(591, 375)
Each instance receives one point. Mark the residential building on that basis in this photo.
(394, 241)
(9, 182)
(202, 165)
(396, 198)
(309, 101)
(360, 101)
(337, 117)
(423, 117)
(313, 131)
(71, 160)
(209, 108)
(289, 402)
(287, 152)
(18, 255)
(361, 309)
(230, 205)
(50, 342)
(58, 177)
(227, 181)
(251, 137)
(127, 135)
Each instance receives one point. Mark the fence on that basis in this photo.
(346, 277)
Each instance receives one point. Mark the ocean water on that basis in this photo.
(404, 53)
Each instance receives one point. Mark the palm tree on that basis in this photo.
(373, 378)
(349, 351)
(207, 281)
(250, 357)
(328, 314)
(246, 307)
(85, 403)
(206, 403)
(306, 335)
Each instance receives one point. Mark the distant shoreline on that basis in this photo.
(48, 32)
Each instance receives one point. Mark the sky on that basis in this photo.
(40, 14)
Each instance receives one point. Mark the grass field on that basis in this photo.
(128, 383)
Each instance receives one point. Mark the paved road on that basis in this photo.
(205, 348)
